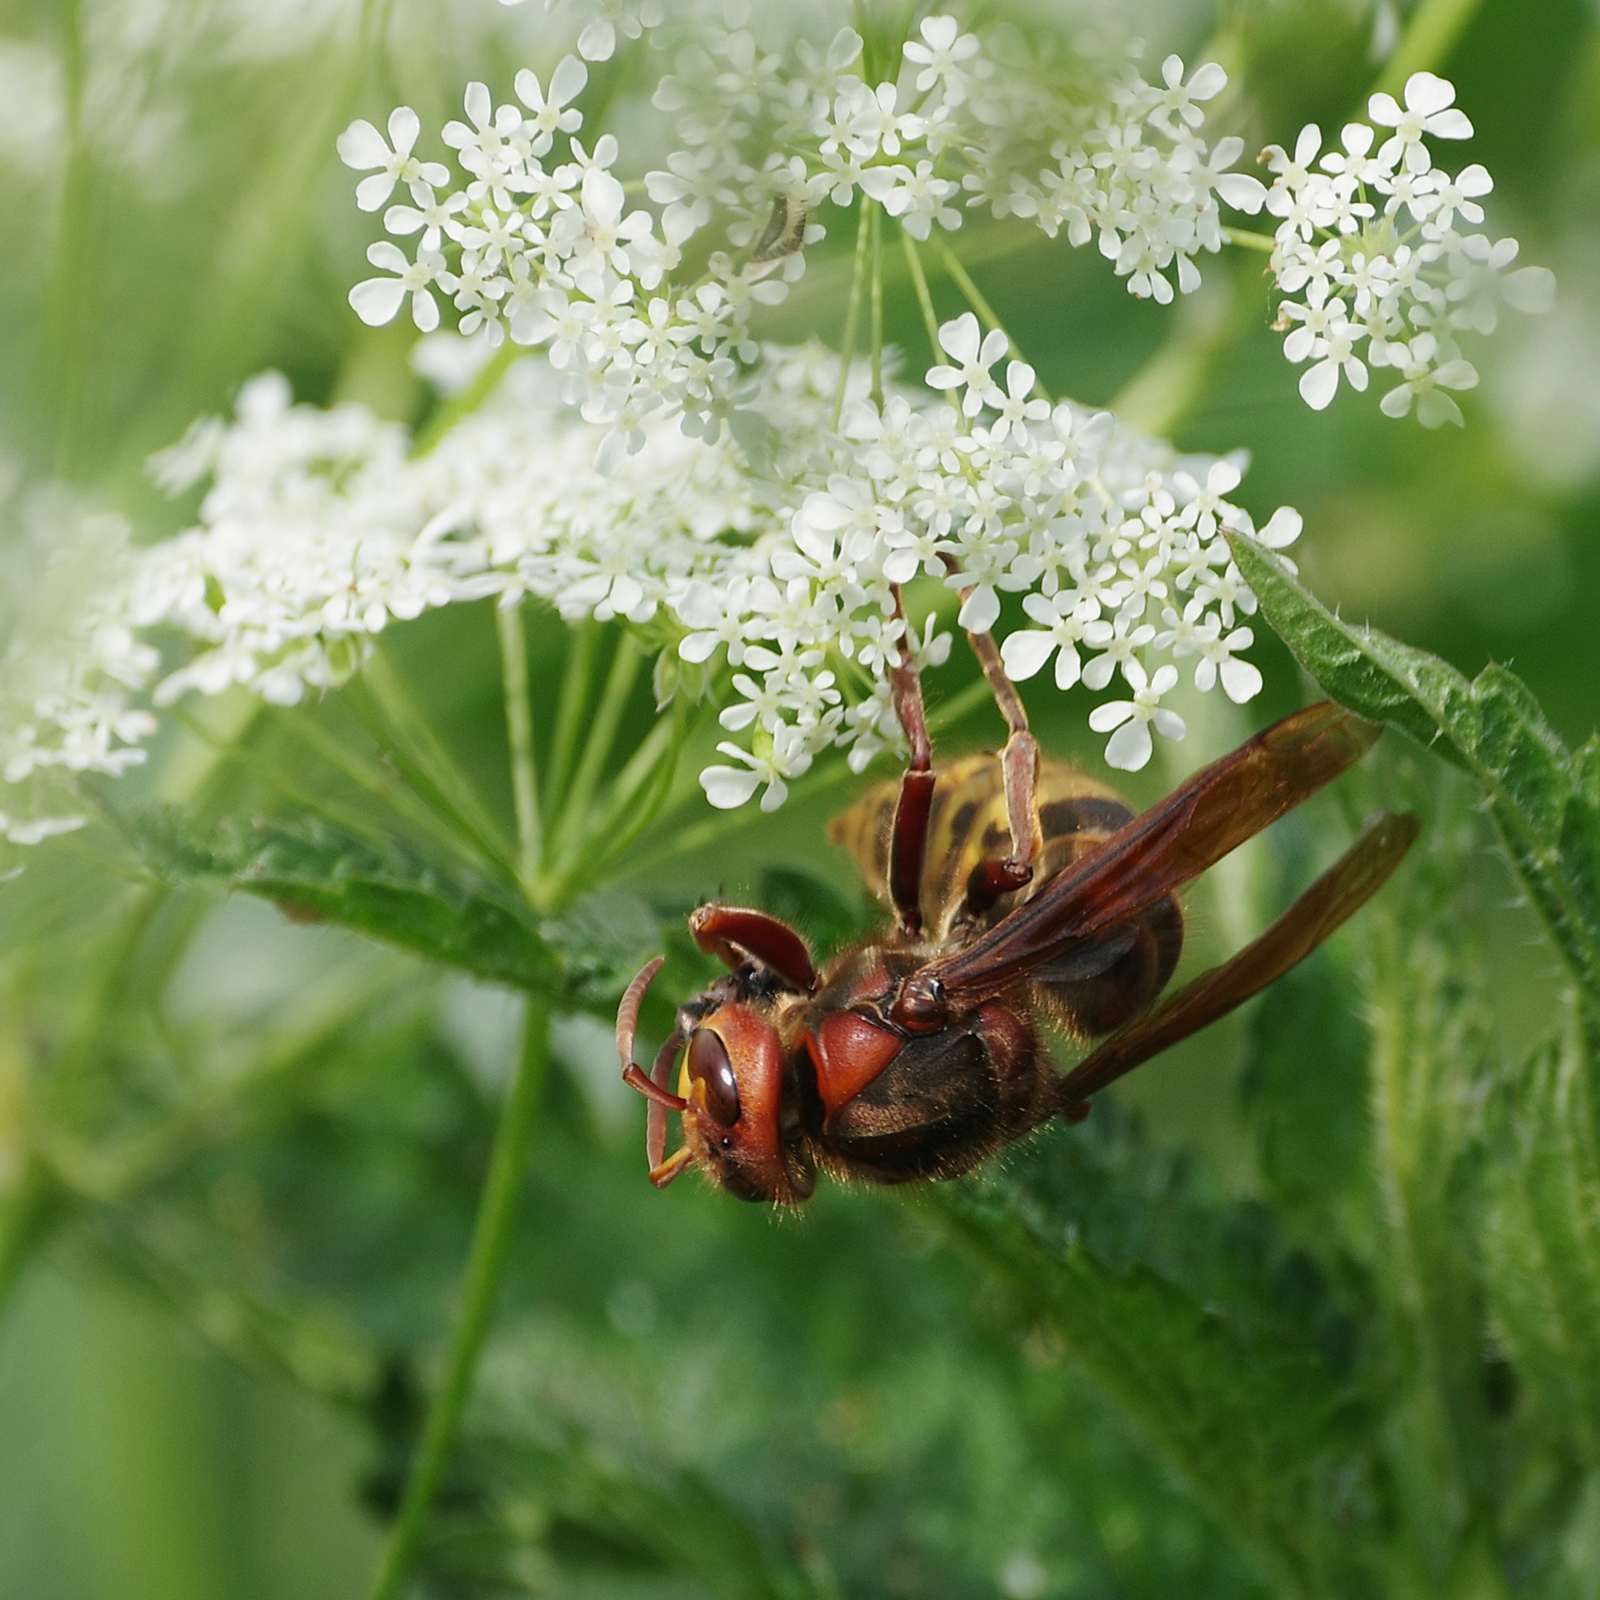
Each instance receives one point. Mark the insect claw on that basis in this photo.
(663, 1174)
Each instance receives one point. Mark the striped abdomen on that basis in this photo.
(1092, 989)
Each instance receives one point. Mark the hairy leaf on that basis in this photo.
(1230, 1386)
(1491, 726)
(317, 872)
(1542, 1239)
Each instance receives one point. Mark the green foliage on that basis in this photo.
(314, 871)
(1542, 798)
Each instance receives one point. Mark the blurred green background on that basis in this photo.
(211, 1364)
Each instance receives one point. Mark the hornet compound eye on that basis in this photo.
(709, 1064)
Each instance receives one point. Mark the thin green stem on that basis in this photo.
(1430, 36)
(597, 747)
(383, 784)
(274, 776)
(986, 313)
(469, 400)
(877, 306)
(575, 683)
(852, 314)
(1246, 240)
(519, 734)
(635, 802)
(919, 282)
(382, 701)
(491, 1237)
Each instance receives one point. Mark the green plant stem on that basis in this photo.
(986, 312)
(383, 704)
(575, 682)
(1246, 240)
(597, 747)
(1430, 36)
(519, 734)
(468, 400)
(919, 282)
(491, 1236)
(852, 316)
(876, 216)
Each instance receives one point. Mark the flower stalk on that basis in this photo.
(491, 1238)
(519, 734)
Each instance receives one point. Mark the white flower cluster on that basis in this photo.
(546, 250)
(538, 243)
(1129, 169)
(318, 531)
(1133, 173)
(1372, 246)
(1116, 545)
(68, 694)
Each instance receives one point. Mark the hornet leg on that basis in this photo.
(908, 844)
(1019, 764)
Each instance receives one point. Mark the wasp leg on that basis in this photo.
(908, 843)
(1019, 766)
(735, 935)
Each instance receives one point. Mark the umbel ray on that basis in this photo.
(1025, 896)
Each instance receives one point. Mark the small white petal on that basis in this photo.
(1128, 749)
(362, 146)
(1529, 288)
(376, 300)
(568, 80)
(980, 611)
(1318, 385)
(1241, 680)
(1110, 715)
(372, 192)
(597, 42)
(1025, 652)
(959, 337)
(728, 787)
(1283, 528)
(403, 129)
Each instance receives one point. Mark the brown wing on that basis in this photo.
(1337, 895)
(967, 824)
(1175, 840)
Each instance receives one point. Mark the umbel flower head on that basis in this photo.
(769, 517)
(1374, 251)
(538, 242)
(318, 532)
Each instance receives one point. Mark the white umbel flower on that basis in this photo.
(1369, 252)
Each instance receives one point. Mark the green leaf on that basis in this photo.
(1491, 726)
(1224, 1378)
(604, 938)
(1542, 1240)
(1432, 1059)
(1303, 1091)
(320, 873)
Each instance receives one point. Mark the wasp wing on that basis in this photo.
(1337, 895)
(1175, 840)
